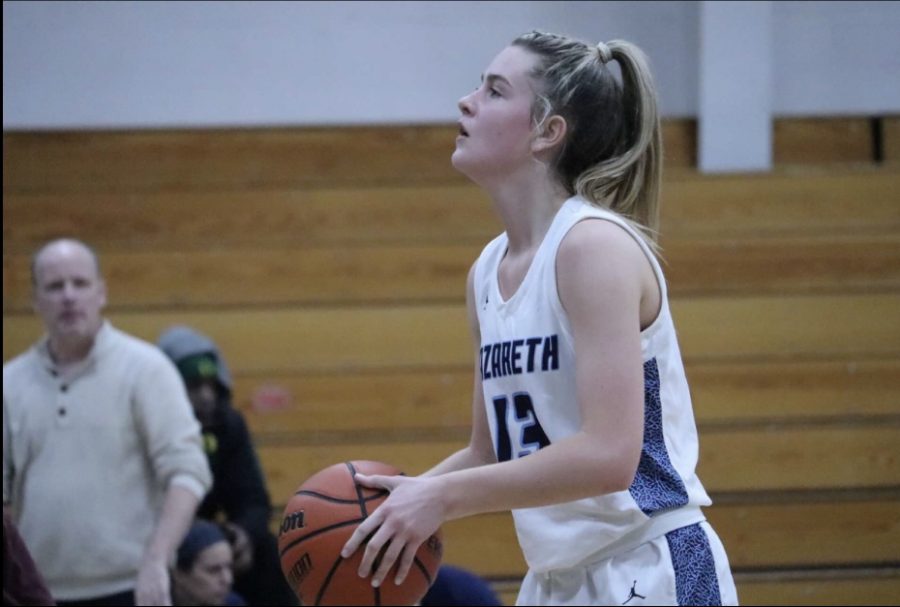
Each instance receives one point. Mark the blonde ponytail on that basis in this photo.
(612, 155)
(629, 182)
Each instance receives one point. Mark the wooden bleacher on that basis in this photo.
(330, 266)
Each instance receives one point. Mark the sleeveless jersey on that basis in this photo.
(528, 376)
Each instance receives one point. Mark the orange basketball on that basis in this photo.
(319, 519)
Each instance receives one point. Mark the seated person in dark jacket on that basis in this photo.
(238, 498)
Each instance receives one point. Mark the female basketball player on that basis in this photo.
(577, 365)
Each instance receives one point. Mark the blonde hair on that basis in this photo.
(612, 155)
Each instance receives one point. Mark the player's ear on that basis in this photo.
(551, 134)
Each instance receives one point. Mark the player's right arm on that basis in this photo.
(480, 450)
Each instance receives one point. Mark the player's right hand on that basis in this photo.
(409, 516)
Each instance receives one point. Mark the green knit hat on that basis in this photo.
(198, 367)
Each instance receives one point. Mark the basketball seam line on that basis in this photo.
(319, 532)
(423, 569)
(340, 500)
(327, 581)
(359, 496)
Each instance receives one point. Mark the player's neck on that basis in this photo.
(527, 213)
(526, 197)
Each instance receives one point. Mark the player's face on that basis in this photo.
(209, 580)
(69, 294)
(496, 124)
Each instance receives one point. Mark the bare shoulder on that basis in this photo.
(598, 243)
(599, 261)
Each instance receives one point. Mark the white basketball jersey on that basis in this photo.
(528, 375)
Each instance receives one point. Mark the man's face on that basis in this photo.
(69, 293)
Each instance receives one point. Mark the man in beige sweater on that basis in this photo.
(102, 460)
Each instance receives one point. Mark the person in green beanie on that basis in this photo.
(238, 498)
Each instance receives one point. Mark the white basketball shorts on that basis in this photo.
(687, 566)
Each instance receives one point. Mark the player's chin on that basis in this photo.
(461, 159)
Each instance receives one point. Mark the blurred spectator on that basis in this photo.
(102, 463)
(238, 497)
(203, 570)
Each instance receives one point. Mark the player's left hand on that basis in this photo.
(152, 586)
(411, 513)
